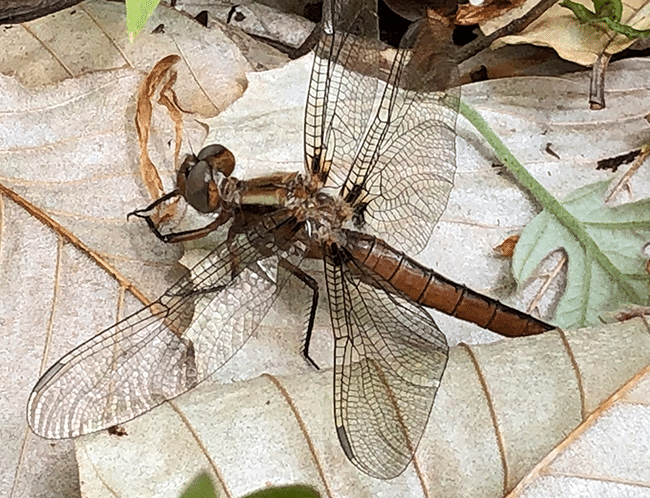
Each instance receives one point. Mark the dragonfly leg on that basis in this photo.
(310, 282)
(140, 212)
(233, 253)
(151, 224)
(193, 234)
(183, 236)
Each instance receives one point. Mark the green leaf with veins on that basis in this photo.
(602, 276)
(606, 266)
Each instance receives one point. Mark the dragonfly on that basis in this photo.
(379, 147)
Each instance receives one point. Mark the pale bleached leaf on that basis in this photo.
(578, 42)
(501, 408)
(605, 455)
(249, 433)
(474, 221)
(68, 152)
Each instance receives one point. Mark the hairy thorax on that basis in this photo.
(323, 214)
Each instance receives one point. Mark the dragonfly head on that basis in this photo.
(200, 177)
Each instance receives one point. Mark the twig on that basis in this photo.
(18, 11)
(645, 152)
(515, 26)
(597, 82)
(549, 280)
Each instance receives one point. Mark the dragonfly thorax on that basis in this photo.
(324, 215)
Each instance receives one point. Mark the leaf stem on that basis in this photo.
(548, 202)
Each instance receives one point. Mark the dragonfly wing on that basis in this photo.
(164, 349)
(342, 88)
(401, 178)
(389, 358)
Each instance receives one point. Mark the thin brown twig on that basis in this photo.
(597, 82)
(645, 152)
(549, 280)
(515, 26)
(19, 11)
(100, 260)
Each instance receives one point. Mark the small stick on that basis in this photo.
(597, 82)
(515, 26)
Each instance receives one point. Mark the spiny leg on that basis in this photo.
(173, 237)
(310, 282)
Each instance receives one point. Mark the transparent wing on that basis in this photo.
(380, 124)
(389, 358)
(401, 178)
(342, 88)
(165, 349)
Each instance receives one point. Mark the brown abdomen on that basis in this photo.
(431, 289)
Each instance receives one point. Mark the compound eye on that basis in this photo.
(219, 158)
(200, 188)
(199, 177)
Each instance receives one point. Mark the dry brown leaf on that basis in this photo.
(148, 88)
(559, 29)
(507, 247)
(257, 19)
(92, 37)
(469, 14)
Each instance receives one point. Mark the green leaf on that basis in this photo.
(603, 275)
(137, 13)
(200, 487)
(604, 9)
(581, 12)
(612, 9)
(607, 13)
(626, 30)
(296, 491)
(606, 267)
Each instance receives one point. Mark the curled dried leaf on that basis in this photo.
(507, 248)
(160, 80)
(469, 14)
